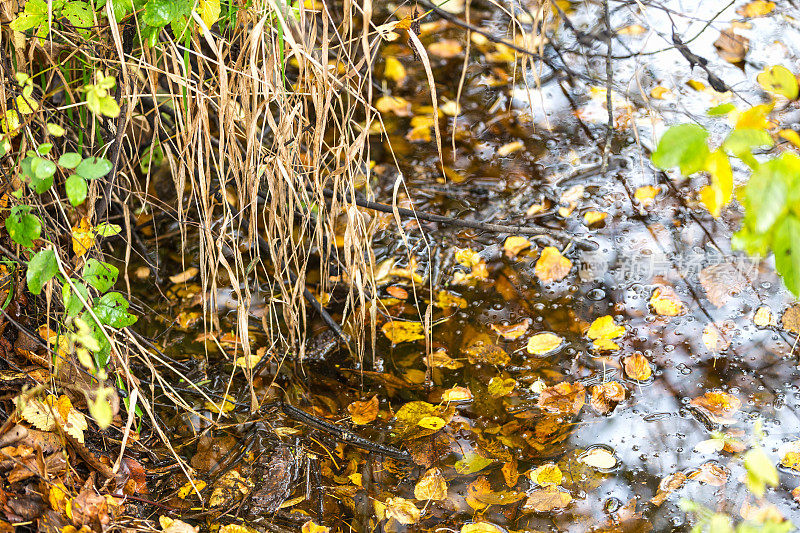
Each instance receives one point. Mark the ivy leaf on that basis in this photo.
(73, 305)
(41, 269)
(22, 226)
(112, 310)
(682, 146)
(76, 189)
(92, 168)
(99, 275)
(787, 253)
(779, 80)
(69, 159)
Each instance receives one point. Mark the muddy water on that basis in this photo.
(654, 432)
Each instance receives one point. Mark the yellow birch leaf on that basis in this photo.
(511, 331)
(393, 104)
(313, 527)
(481, 527)
(599, 458)
(394, 70)
(225, 405)
(605, 345)
(447, 300)
(646, 195)
(457, 394)
(594, 217)
(605, 328)
(660, 93)
(515, 244)
(397, 331)
(779, 80)
(763, 317)
(543, 343)
(756, 8)
(187, 488)
(431, 486)
(791, 136)
(402, 510)
(548, 474)
(638, 367)
(551, 265)
(501, 386)
(665, 302)
(431, 422)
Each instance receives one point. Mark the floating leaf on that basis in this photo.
(394, 70)
(448, 300)
(225, 405)
(719, 406)
(393, 104)
(732, 47)
(308, 527)
(606, 396)
(397, 331)
(440, 359)
(552, 266)
(564, 397)
(599, 458)
(511, 331)
(402, 510)
(471, 463)
(445, 48)
(482, 350)
(605, 328)
(431, 422)
(363, 413)
(665, 302)
(431, 486)
(456, 394)
(547, 499)
(548, 474)
(184, 276)
(756, 8)
(501, 386)
(605, 345)
(515, 244)
(481, 527)
(710, 473)
(715, 339)
(638, 367)
(544, 343)
(763, 317)
(646, 195)
(591, 218)
(779, 80)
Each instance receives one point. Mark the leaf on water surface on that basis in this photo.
(188, 489)
(564, 397)
(709, 446)
(417, 419)
(551, 265)
(499, 387)
(605, 345)
(223, 406)
(606, 396)
(511, 331)
(482, 527)
(482, 350)
(467, 257)
(515, 244)
(716, 338)
(457, 394)
(313, 527)
(646, 195)
(721, 282)
(638, 367)
(547, 499)
(363, 413)
(394, 70)
(510, 472)
(393, 104)
(791, 455)
(431, 486)
(440, 359)
(171, 525)
(184, 276)
(605, 328)
(448, 300)
(791, 319)
(480, 495)
(431, 422)
(760, 471)
(710, 473)
(451, 109)
(599, 458)
(719, 406)
(732, 47)
(763, 317)
(510, 148)
(544, 343)
(397, 331)
(402, 510)
(755, 118)
(756, 8)
(591, 218)
(633, 29)
(660, 93)
(545, 475)
(666, 302)
(668, 485)
(472, 463)
(397, 291)
(445, 48)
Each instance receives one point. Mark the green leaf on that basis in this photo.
(78, 13)
(766, 193)
(72, 304)
(682, 146)
(760, 471)
(786, 246)
(22, 226)
(43, 168)
(112, 310)
(158, 13)
(721, 109)
(102, 355)
(44, 148)
(740, 142)
(76, 189)
(69, 159)
(26, 21)
(107, 230)
(92, 168)
(55, 130)
(41, 269)
(779, 80)
(99, 275)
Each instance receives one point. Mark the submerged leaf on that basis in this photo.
(397, 331)
(564, 397)
(544, 343)
(551, 265)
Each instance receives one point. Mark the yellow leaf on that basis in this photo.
(431, 422)
(398, 332)
(172, 525)
(467, 257)
(223, 406)
(646, 195)
(447, 300)
(450, 108)
(696, 85)
(363, 413)
(209, 11)
(440, 359)
(763, 317)
(482, 350)
(481, 527)
(445, 48)
(756, 8)
(394, 70)
(409, 272)
(501, 387)
(58, 498)
(393, 104)
(457, 394)
(755, 117)
(660, 93)
(431, 486)
(82, 236)
(633, 29)
(638, 367)
(10, 123)
(514, 245)
(606, 396)
(593, 217)
(779, 80)
(605, 328)
(543, 343)
(791, 136)
(548, 474)
(604, 345)
(719, 406)
(715, 196)
(665, 302)
(714, 339)
(402, 510)
(563, 397)
(711, 197)
(547, 499)
(313, 527)
(599, 458)
(551, 265)
(187, 488)
(27, 105)
(510, 148)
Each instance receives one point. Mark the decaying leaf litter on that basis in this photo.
(518, 382)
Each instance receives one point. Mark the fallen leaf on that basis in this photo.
(222, 406)
(450, 108)
(660, 93)
(312, 527)
(419, 419)
(599, 458)
(544, 343)
(515, 244)
(188, 489)
(633, 29)
(731, 47)
(363, 413)
(393, 104)
(779, 80)
(551, 265)
(605, 328)
(638, 367)
(397, 292)
(440, 359)
(402, 510)
(719, 406)
(715, 339)
(547, 499)
(763, 317)
(756, 8)
(481, 527)
(710, 473)
(791, 136)
(665, 302)
(471, 463)
(431, 486)
(606, 396)
(646, 195)
(510, 472)
(510, 148)
(171, 525)
(511, 331)
(668, 485)
(431, 422)
(605, 345)
(563, 398)
(448, 300)
(184, 276)
(499, 387)
(397, 331)
(590, 218)
(791, 319)
(482, 350)
(791, 456)
(709, 446)
(394, 70)
(548, 474)
(446, 48)
(722, 281)
(456, 394)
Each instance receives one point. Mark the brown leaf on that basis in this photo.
(606, 396)
(668, 485)
(363, 413)
(719, 406)
(512, 331)
(638, 367)
(563, 398)
(721, 282)
(791, 319)
(431, 486)
(731, 47)
(482, 350)
(547, 499)
(710, 473)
